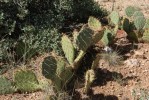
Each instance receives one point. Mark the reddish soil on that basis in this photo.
(125, 82)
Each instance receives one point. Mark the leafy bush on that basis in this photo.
(36, 24)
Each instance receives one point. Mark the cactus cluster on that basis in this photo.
(59, 70)
(26, 81)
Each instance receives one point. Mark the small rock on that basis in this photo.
(132, 63)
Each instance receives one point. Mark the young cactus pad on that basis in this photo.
(114, 17)
(89, 78)
(84, 39)
(138, 13)
(146, 36)
(139, 22)
(68, 49)
(94, 23)
(5, 86)
(26, 81)
(130, 10)
(147, 24)
(107, 37)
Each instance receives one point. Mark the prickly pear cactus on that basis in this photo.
(84, 39)
(126, 25)
(107, 37)
(130, 10)
(138, 13)
(147, 24)
(139, 22)
(57, 70)
(89, 78)
(75, 34)
(6, 86)
(133, 36)
(95, 63)
(114, 17)
(26, 81)
(94, 23)
(68, 49)
(146, 35)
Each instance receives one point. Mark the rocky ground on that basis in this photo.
(127, 82)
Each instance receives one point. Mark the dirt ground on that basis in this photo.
(127, 82)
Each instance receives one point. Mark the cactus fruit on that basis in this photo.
(138, 13)
(6, 86)
(58, 70)
(146, 36)
(89, 78)
(84, 39)
(139, 22)
(130, 10)
(107, 37)
(68, 49)
(147, 24)
(26, 81)
(94, 24)
(114, 17)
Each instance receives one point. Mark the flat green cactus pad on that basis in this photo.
(126, 25)
(49, 66)
(147, 24)
(6, 86)
(138, 13)
(26, 81)
(94, 23)
(146, 35)
(107, 37)
(84, 39)
(130, 10)
(68, 49)
(139, 22)
(114, 17)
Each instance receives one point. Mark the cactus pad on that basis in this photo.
(5, 86)
(49, 67)
(139, 22)
(89, 78)
(114, 17)
(146, 36)
(58, 70)
(107, 37)
(126, 25)
(68, 49)
(26, 81)
(138, 13)
(84, 39)
(147, 24)
(130, 10)
(94, 23)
